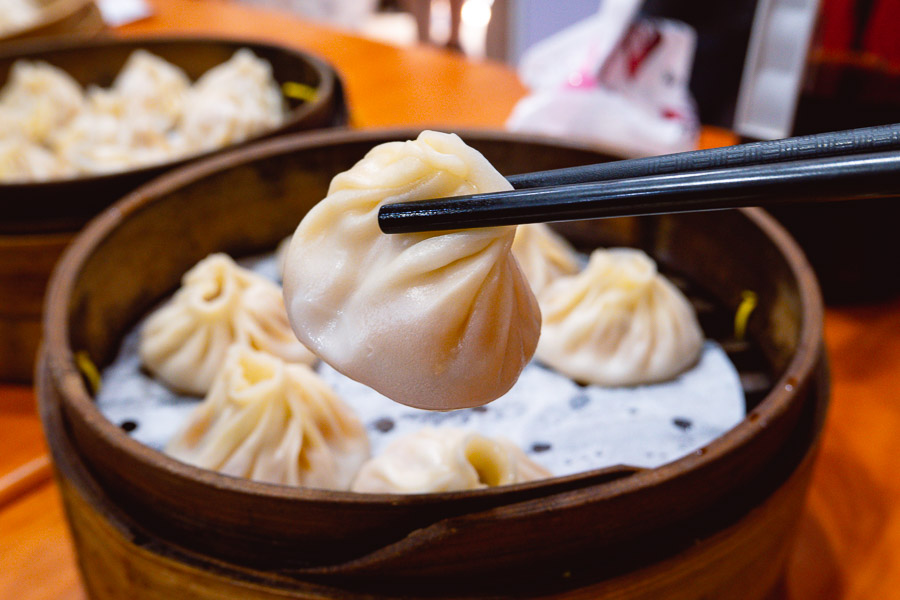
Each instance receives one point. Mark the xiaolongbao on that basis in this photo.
(618, 322)
(23, 160)
(446, 460)
(184, 341)
(432, 320)
(271, 421)
(232, 102)
(39, 98)
(543, 255)
(148, 86)
(104, 142)
(130, 124)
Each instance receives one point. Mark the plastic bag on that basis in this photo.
(614, 82)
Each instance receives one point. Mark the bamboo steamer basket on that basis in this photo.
(40, 218)
(121, 559)
(56, 18)
(718, 520)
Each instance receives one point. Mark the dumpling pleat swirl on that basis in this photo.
(446, 460)
(433, 320)
(185, 340)
(272, 421)
(618, 322)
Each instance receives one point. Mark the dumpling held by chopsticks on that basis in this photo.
(433, 320)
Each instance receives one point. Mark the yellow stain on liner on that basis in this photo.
(89, 370)
(749, 300)
(299, 91)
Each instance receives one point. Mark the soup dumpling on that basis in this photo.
(130, 124)
(232, 102)
(543, 255)
(446, 460)
(184, 341)
(22, 160)
(619, 322)
(272, 421)
(39, 98)
(148, 86)
(432, 320)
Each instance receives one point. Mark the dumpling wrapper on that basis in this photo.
(184, 341)
(432, 320)
(101, 142)
(150, 115)
(275, 422)
(23, 160)
(281, 253)
(149, 86)
(446, 460)
(231, 102)
(543, 255)
(617, 323)
(37, 99)
(130, 124)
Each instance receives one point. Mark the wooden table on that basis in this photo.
(850, 531)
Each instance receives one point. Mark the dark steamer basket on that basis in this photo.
(717, 523)
(39, 219)
(56, 18)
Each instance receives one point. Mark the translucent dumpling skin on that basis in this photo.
(543, 255)
(618, 322)
(184, 341)
(51, 128)
(446, 460)
(38, 99)
(231, 102)
(433, 320)
(272, 421)
(129, 124)
(22, 160)
(150, 85)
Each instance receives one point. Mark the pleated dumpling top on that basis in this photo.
(543, 255)
(232, 102)
(184, 342)
(446, 460)
(432, 320)
(37, 100)
(619, 322)
(275, 422)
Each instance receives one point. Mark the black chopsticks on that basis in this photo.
(860, 163)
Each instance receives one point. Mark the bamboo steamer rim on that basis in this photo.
(325, 91)
(51, 13)
(59, 354)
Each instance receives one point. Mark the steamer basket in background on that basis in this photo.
(57, 18)
(716, 523)
(40, 218)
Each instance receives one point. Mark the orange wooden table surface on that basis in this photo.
(849, 542)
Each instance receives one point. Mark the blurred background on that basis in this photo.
(851, 76)
(763, 69)
(625, 77)
(629, 77)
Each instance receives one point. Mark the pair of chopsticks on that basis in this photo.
(844, 165)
